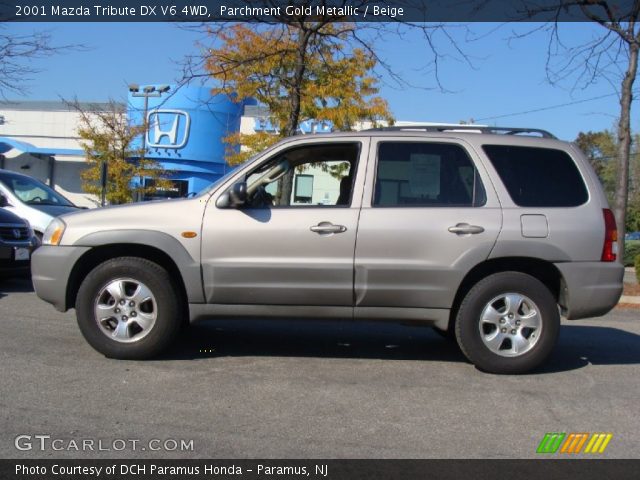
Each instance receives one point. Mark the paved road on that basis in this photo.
(310, 389)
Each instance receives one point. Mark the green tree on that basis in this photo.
(601, 149)
(107, 136)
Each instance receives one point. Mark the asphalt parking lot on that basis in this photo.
(252, 389)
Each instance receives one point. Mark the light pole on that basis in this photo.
(147, 92)
(103, 182)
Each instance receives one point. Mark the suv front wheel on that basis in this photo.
(508, 323)
(128, 308)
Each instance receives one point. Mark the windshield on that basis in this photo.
(33, 192)
(208, 188)
(222, 179)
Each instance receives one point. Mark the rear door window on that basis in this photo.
(538, 177)
(420, 174)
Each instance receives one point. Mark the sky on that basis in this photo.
(498, 76)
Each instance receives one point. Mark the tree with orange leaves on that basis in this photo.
(300, 71)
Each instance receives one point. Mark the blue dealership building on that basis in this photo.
(187, 127)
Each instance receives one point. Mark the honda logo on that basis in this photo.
(16, 233)
(168, 128)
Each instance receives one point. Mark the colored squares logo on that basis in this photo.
(550, 443)
(574, 443)
(557, 442)
(598, 443)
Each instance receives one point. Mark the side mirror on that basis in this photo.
(235, 197)
(3, 201)
(238, 194)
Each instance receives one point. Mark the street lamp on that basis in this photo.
(147, 92)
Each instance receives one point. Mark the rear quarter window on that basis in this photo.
(538, 177)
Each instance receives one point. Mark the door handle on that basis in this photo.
(465, 228)
(328, 227)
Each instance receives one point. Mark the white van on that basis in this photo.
(32, 200)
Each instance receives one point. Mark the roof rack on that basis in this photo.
(458, 128)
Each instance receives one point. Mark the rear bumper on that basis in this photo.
(590, 289)
(50, 271)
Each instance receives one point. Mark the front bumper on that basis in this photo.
(8, 262)
(51, 268)
(590, 289)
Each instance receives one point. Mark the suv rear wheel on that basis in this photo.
(508, 323)
(128, 308)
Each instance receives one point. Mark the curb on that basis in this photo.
(633, 299)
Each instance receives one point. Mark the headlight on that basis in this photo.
(53, 233)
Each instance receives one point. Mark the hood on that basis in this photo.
(55, 210)
(167, 216)
(9, 217)
(148, 206)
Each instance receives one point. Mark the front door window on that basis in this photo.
(310, 176)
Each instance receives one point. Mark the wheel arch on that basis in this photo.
(546, 272)
(101, 253)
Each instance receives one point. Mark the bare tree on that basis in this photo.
(17, 53)
(611, 56)
(328, 29)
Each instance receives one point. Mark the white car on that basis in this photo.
(32, 200)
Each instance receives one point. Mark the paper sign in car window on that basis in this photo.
(304, 186)
(424, 175)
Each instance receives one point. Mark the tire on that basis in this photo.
(141, 327)
(508, 323)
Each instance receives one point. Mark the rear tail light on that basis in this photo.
(610, 248)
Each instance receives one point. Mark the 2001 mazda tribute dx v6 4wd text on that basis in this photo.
(486, 233)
